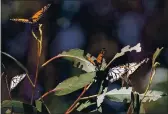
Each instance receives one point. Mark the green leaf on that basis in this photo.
(38, 105)
(77, 56)
(8, 111)
(142, 109)
(100, 109)
(19, 63)
(74, 83)
(151, 96)
(119, 95)
(127, 48)
(41, 107)
(18, 107)
(85, 105)
(123, 93)
(155, 55)
(58, 104)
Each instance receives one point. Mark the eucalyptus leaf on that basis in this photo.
(80, 60)
(151, 96)
(120, 95)
(38, 105)
(142, 109)
(125, 49)
(155, 55)
(18, 107)
(125, 94)
(58, 105)
(74, 83)
(85, 105)
(18, 63)
(42, 107)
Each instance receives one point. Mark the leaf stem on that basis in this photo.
(153, 71)
(71, 108)
(47, 93)
(8, 87)
(89, 97)
(20, 65)
(39, 49)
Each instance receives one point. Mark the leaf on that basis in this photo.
(19, 64)
(18, 107)
(58, 105)
(100, 109)
(155, 55)
(120, 95)
(74, 83)
(41, 107)
(151, 96)
(77, 56)
(8, 111)
(100, 98)
(125, 94)
(127, 48)
(38, 105)
(142, 109)
(153, 71)
(85, 105)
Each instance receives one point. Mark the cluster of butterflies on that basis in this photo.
(120, 71)
(114, 73)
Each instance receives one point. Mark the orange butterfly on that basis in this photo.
(99, 58)
(35, 17)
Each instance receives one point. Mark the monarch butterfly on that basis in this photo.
(16, 80)
(118, 71)
(35, 17)
(99, 58)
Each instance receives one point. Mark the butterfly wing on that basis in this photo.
(16, 80)
(132, 67)
(39, 13)
(100, 56)
(116, 73)
(21, 20)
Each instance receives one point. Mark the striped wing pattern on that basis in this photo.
(117, 72)
(16, 80)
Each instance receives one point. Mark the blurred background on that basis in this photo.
(89, 25)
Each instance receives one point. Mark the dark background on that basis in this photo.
(90, 25)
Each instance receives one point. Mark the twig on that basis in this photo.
(129, 111)
(39, 49)
(47, 93)
(46, 106)
(35, 81)
(89, 97)
(71, 108)
(153, 71)
(8, 87)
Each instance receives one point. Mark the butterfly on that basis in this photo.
(98, 61)
(16, 80)
(35, 17)
(118, 72)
